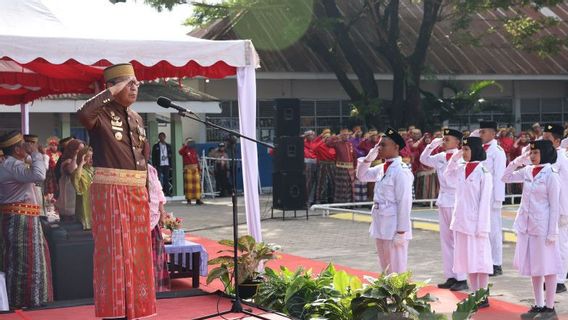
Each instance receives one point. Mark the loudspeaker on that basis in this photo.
(71, 250)
(289, 190)
(287, 117)
(288, 154)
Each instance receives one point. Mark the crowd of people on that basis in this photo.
(331, 159)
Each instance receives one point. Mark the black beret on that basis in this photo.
(488, 125)
(547, 152)
(452, 132)
(555, 129)
(476, 146)
(395, 136)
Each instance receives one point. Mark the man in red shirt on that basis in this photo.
(325, 156)
(344, 168)
(191, 172)
(310, 165)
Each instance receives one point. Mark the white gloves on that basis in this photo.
(475, 133)
(436, 143)
(563, 221)
(373, 153)
(523, 159)
(399, 239)
(497, 204)
(550, 240)
(457, 156)
(564, 143)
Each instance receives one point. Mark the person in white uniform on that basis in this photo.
(537, 252)
(554, 133)
(445, 202)
(495, 163)
(390, 227)
(471, 219)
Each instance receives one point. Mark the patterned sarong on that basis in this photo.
(25, 258)
(426, 185)
(191, 182)
(359, 191)
(344, 185)
(123, 272)
(326, 182)
(311, 170)
(50, 185)
(160, 259)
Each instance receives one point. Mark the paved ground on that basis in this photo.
(344, 242)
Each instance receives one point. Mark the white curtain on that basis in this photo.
(246, 81)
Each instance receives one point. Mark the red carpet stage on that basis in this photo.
(195, 306)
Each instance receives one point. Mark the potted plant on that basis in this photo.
(250, 255)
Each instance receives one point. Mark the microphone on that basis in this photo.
(167, 103)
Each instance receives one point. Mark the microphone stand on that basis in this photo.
(237, 304)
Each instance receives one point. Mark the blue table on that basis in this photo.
(187, 261)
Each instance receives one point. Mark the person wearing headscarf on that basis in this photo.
(123, 277)
(495, 163)
(24, 254)
(471, 221)
(191, 172)
(81, 179)
(390, 227)
(555, 133)
(446, 199)
(537, 251)
(66, 201)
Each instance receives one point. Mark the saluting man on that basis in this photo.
(445, 202)
(123, 271)
(24, 253)
(554, 133)
(391, 226)
(495, 163)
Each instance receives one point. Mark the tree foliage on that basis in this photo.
(330, 30)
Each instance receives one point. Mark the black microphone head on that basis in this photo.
(164, 102)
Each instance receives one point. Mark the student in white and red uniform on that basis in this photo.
(554, 133)
(446, 198)
(495, 163)
(537, 253)
(471, 219)
(390, 227)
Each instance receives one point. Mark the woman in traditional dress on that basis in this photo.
(82, 178)
(157, 214)
(66, 201)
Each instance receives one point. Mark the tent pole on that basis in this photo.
(25, 124)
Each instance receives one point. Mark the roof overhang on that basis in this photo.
(383, 76)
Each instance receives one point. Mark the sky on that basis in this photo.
(122, 20)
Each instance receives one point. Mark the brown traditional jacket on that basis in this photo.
(117, 134)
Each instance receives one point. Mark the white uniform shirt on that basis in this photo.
(496, 162)
(447, 193)
(540, 203)
(561, 165)
(472, 206)
(393, 198)
(17, 180)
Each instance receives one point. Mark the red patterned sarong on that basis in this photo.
(123, 270)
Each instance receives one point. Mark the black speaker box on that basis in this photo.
(71, 250)
(287, 117)
(288, 154)
(289, 190)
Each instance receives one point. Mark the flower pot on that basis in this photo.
(247, 289)
(178, 237)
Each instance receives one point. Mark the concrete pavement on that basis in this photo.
(345, 242)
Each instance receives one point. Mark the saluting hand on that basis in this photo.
(436, 142)
(119, 86)
(373, 153)
(30, 147)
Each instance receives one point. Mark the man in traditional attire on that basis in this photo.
(24, 251)
(344, 167)
(445, 202)
(310, 165)
(123, 272)
(554, 133)
(390, 227)
(325, 155)
(496, 163)
(191, 172)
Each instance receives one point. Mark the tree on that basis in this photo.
(328, 28)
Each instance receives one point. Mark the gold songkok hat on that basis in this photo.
(32, 138)
(10, 139)
(118, 70)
